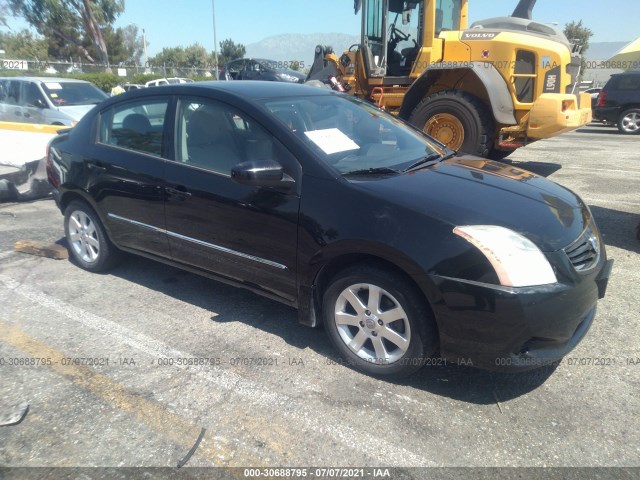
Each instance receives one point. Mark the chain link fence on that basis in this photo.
(126, 71)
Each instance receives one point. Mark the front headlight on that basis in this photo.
(516, 259)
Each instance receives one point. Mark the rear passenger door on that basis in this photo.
(10, 101)
(247, 234)
(127, 169)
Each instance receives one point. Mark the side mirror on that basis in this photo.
(39, 103)
(261, 173)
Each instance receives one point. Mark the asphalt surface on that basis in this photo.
(271, 392)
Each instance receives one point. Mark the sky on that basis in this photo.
(170, 23)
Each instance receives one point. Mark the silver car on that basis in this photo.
(47, 100)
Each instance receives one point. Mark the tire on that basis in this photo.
(469, 113)
(88, 243)
(389, 345)
(629, 122)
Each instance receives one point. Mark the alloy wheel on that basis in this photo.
(630, 123)
(83, 236)
(372, 323)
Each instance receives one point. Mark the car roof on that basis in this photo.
(241, 90)
(46, 79)
(628, 72)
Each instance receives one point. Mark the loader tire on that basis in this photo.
(457, 119)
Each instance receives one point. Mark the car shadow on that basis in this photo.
(233, 304)
(619, 229)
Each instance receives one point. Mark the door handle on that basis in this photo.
(94, 167)
(18, 113)
(27, 115)
(180, 192)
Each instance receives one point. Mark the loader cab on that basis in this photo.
(394, 32)
(391, 36)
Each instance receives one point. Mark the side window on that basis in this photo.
(3, 90)
(217, 137)
(135, 126)
(233, 69)
(13, 92)
(629, 82)
(32, 95)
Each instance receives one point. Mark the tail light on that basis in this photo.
(602, 99)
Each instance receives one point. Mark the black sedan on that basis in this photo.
(262, 70)
(402, 249)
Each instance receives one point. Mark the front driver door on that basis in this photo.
(246, 234)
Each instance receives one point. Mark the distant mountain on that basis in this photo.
(604, 50)
(299, 46)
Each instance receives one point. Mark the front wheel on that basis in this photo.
(457, 119)
(629, 122)
(378, 322)
(87, 240)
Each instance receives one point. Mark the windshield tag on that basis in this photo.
(332, 140)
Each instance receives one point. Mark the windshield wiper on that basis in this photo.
(429, 160)
(374, 171)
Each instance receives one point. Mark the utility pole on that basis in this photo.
(146, 60)
(215, 39)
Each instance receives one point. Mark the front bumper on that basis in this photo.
(553, 114)
(514, 329)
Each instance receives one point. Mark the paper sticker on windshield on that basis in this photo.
(332, 140)
(53, 86)
(54, 95)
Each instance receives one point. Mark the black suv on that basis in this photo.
(619, 102)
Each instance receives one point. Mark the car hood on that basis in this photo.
(472, 191)
(76, 112)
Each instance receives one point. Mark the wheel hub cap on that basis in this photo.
(447, 129)
(372, 323)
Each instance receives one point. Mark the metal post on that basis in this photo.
(215, 40)
(146, 60)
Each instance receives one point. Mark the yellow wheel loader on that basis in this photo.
(486, 88)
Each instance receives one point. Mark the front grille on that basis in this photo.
(584, 253)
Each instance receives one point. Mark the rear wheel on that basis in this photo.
(378, 322)
(457, 119)
(629, 122)
(87, 240)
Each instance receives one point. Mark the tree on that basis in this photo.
(169, 56)
(196, 56)
(579, 34)
(229, 50)
(23, 45)
(3, 15)
(76, 22)
(294, 65)
(134, 43)
(192, 56)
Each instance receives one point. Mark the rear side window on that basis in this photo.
(628, 82)
(136, 126)
(10, 92)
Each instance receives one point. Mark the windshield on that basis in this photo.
(350, 134)
(66, 94)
